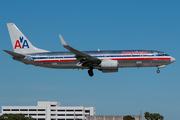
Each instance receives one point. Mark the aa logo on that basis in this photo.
(21, 43)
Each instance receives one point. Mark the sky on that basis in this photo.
(92, 25)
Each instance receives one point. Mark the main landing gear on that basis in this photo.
(158, 71)
(90, 72)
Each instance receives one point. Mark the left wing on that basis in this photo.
(82, 57)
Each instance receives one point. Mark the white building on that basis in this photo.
(51, 111)
(112, 117)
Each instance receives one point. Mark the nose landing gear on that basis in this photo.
(161, 66)
(90, 72)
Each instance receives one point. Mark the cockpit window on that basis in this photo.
(165, 54)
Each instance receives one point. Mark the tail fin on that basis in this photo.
(19, 42)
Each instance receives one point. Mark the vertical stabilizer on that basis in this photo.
(20, 43)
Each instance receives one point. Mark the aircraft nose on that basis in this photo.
(173, 59)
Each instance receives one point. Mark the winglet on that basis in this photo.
(63, 41)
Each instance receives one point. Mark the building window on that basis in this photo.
(15, 109)
(78, 115)
(53, 105)
(60, 110)
(32, 110)
(32, 114)
(53, 114)
(53, 110)
(41, 109)
(41, 114)
(87, 111)
(23, 109)
(41, 119)
(61, 119)
(78, 110)
(69, 114)
(69, 110)
(6, 109)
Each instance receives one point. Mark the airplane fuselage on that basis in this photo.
(125, 58)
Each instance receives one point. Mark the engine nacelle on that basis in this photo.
(109, 66)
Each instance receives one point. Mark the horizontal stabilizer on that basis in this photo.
(14, 54)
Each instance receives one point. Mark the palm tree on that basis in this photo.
(147, 115)
(161, 117)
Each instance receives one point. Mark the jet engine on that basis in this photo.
(109, 66)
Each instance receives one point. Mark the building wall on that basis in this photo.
(51, 111)
(112, 117)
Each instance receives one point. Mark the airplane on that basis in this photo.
(105, 61)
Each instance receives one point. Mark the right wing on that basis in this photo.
(82, 57)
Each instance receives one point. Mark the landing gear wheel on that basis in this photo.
(90, 72)
(158, 71)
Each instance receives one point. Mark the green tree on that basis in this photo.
(128, 117)
(161, 117)
(14, 117)
(153, 116)
(147, 115)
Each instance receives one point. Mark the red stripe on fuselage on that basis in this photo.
(154, 58)
(66, 60)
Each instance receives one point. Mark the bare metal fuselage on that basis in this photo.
(125, 58)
